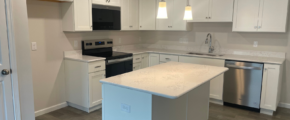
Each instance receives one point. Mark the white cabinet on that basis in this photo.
(216, 84)
(153, 59)
(212, 10)
(145, 61)
(130, 14)
(147, 14)
(140, 61)
(77, 15)
(167, 58)
(175, 12)
(83, 89)
(271, 87)
(260, 15)
(107, 2)
(96, 87)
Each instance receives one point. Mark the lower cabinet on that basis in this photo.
(153, 59)
(167, 58)
(83, 89)
(216, 85)
(96, 87)
(140, 61)
(271, 87)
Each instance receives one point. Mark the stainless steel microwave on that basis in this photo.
(106, 17)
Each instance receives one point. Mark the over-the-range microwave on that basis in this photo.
(106, 17)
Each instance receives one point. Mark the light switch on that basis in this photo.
(33, 46)
(126, 108)
(76, 44)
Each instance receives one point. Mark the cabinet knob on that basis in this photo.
(140, 26)
(206, 17)
(266, 69)
(209, 17)
(255, 27)
(259, 27)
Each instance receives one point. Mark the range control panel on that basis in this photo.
(92, 44)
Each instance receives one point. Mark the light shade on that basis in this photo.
(162, 11)
(188, 13)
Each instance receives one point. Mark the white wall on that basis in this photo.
(24, 72)
(45, 28)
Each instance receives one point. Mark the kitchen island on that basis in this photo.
(170, 91)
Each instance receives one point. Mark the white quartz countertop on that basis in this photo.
(169, 80)
(84, 58)
(270, 60)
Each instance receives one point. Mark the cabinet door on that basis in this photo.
(147, 14)
(216, 84)
(246, 14)
(221, 10)
(145, 61)
(95, 88)
(153, 59)
(178, 14)
(273, 17)
(83, 15)
(200, 10)
(165, 24)
(136, 66)
(129, 14)
(107, 2)
(270, 87)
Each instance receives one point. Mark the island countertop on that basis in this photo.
(169, 80)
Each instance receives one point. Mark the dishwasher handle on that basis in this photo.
(243, 67)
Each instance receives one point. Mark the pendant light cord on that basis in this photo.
(188, 3)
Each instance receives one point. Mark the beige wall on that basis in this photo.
(45, 28)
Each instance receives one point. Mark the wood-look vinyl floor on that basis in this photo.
(216, 112)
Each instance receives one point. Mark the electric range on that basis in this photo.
(116, 62)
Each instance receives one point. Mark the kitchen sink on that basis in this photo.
(205, 54)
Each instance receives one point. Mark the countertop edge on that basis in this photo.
(87, 61)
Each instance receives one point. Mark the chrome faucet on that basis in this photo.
(209, 42)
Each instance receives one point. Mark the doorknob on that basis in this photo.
(5, 72)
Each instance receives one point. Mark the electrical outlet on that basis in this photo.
(126, 108)
(33, 46)
(76, 44)
(255, 44)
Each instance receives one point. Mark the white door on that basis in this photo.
(200, 10)
(273, 17)
(130, 14)
(145, 61)
(83, 15)
(178, 15)
(6, 101)
(165, 24)
(96, 87)
(154, 59)
(147, 13)
(246, 14)
(221, 10)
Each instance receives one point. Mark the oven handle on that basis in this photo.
(119, 60)
(243, 67)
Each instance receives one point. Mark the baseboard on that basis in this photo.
(215, 101)
(284, 105)
(50, 109)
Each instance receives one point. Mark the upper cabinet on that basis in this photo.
(147, 14)
(130, 14)
(175, 12)
(107, 2)
(77, 15)
(212, 10)
(260, 15)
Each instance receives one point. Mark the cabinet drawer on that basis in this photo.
(168, 58)
(137, 58)
(97, 66)
(136, 66)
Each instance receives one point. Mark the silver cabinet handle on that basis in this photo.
(243, 67)
(137, 58)
(97, 66)
(167, 58)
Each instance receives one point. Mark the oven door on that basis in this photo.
(119, 66)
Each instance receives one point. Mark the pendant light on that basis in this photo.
(162, 10)
(188, 12)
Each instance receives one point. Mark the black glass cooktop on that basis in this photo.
(106, 53)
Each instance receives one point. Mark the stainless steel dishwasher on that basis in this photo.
(243, 83)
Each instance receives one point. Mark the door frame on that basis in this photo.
(12, 58)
